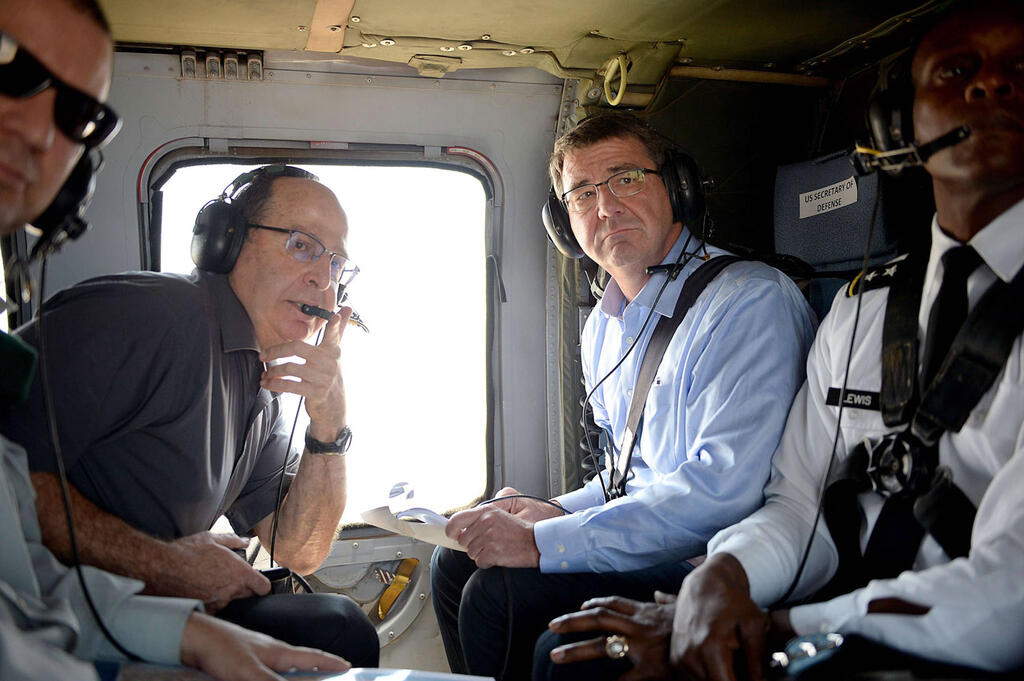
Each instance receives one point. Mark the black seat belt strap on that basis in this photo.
(947, 515)
(894, 541)
(975, 359)
(898, 395)
(842, 517)
(664, 330)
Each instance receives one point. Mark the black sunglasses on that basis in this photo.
(81, 117)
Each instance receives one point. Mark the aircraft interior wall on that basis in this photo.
(508, 118)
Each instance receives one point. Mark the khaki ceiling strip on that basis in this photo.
(748, 76)
(327, 31)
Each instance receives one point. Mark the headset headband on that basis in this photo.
(220, 227)
(273, 171)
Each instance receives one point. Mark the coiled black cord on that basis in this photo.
(842, 401)
(284, 468)
(525, 496)
(51, 420)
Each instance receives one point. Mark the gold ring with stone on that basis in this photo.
(616, 646)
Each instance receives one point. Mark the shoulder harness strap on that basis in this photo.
(979, 351)
(660, 338)
(974, 361)
(898, 395)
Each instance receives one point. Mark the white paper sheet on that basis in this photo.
(431, 531)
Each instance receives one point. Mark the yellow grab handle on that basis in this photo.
(396, 587)
(617, 65)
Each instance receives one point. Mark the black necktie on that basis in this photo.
(950, 308)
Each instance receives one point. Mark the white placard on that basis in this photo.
(819, 201)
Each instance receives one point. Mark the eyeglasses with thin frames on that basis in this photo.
(305, 248)
(81, 117)
(622, 184)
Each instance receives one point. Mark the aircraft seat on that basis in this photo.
(822, 217)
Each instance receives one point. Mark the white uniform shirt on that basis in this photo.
(976, 614)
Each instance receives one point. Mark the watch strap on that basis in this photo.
(337, 447)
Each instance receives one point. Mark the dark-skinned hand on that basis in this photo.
(647, 627)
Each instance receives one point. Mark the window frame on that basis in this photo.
(187, 152)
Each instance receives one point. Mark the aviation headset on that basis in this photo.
(64, 218)
(890, 118)
(685, 189)
(891, 128)
(220, 226)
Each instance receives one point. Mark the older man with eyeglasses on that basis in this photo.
(712, 418)
(165, 390)
(54, 620)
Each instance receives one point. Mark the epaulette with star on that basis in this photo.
(876, 277)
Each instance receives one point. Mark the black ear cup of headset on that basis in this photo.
(217, 236)
(220, 227)
(64, 218)
(890, 123)
(685, 189)
(556, 223)
(890, 119)
(219, 230)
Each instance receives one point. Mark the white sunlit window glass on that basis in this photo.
(416, 384)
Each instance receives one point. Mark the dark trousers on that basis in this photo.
(858, 659)
(330, 622)
(490, 619)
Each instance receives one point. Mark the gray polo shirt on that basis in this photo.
(155, 382)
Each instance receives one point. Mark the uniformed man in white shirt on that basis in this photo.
(958, 595)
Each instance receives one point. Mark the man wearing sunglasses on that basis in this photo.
(713, 415)
(165, 388)
(51, 111)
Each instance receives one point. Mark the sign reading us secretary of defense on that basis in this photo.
(826, 199)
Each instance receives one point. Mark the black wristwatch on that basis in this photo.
(338, 447)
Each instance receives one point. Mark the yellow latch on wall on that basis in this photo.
(397, 586)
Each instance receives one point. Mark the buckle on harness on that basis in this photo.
(898, 463)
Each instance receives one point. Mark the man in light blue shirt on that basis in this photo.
(713, 416)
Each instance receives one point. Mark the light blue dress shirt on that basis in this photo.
(713, 416)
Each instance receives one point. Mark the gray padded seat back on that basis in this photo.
(822, 215)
